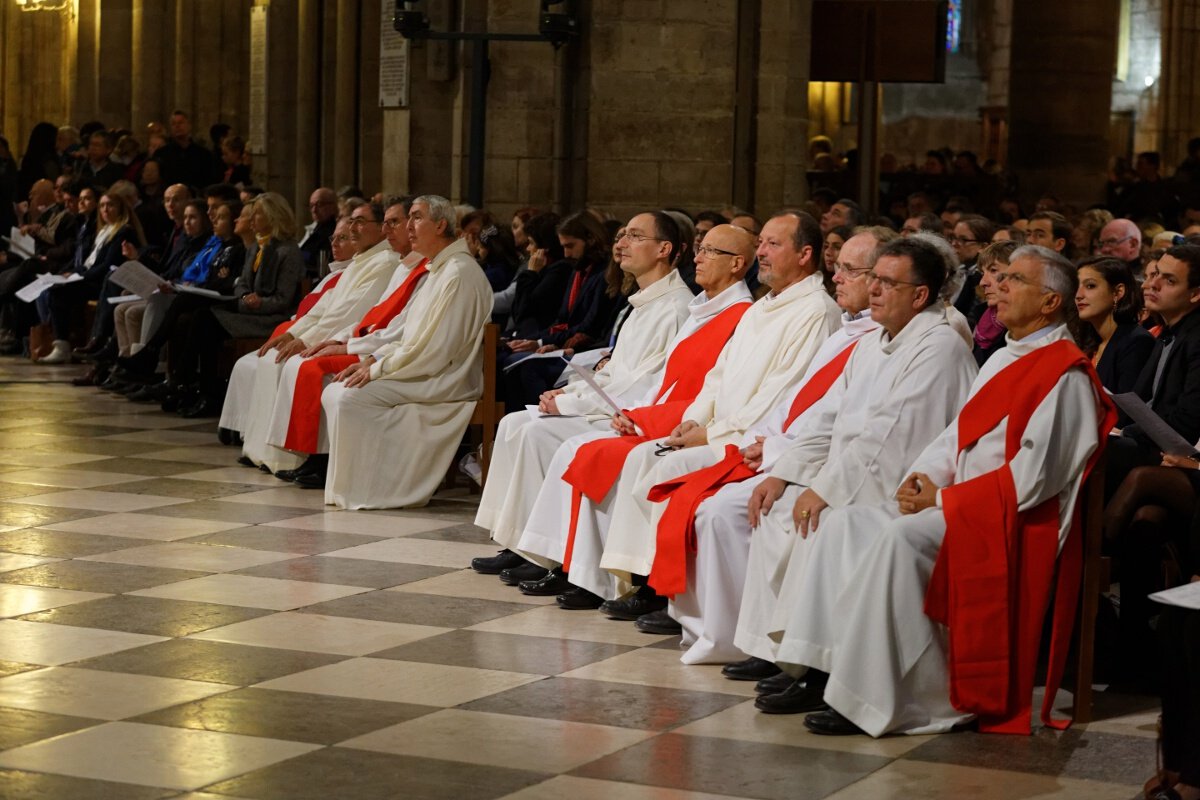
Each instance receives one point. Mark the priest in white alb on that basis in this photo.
(715, 500)
(901, 386)
(526, 440)
(604, 533)
(241, 380)
(911, 605)
(396, 418)
(360, 287)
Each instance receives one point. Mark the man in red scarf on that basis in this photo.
(927, 612)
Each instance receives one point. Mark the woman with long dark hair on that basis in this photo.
(1109, 301)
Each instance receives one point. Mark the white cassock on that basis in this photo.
(863, 621)
(768, 353)
(359, 346)
(708, 609)
(663, 312)
(241, 381)
(392, 439)
(358, 290)
(855, 446)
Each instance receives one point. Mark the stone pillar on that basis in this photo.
(345, 97)
(782, 127)
(308, 93)
(1179, 92)
(1060, 95)
(149, 64)
(87, 99)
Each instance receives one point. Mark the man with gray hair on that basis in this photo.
(1122, 239)
(881, 580)
(396, 417)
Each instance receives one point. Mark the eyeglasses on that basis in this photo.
(1113, 242)
(391, 224)
(849, 272)
(359, 221)
(637, 238)
(708, 251)
(961, 240)
(889, 284)
(1017, 279)
(341, 237)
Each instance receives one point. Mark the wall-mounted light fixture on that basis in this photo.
(67, 6)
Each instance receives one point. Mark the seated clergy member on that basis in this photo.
(360, 287)
(607, 513)
(881, 580)
(664, 312)
(899, 390)
(397, 416)
(296, 423)
(707, 609)
(241, 381)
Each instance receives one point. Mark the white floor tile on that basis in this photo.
(50, 645)
(251, 592)
(181, 555)
(320, 633)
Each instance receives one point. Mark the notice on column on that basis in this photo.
(258, 80)
(393, 60)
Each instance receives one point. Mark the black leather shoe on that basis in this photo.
(752, 669)
(150, 393)
(658, 622)
(87, 379)
(644, 601)
(105, 354)
(310, 480)
(491, 565)
(578, 599)
(523, 572)
(552, 583)
(774, 684)
(802, 695)
(225, 436)
(313, 465)
(831, 723)
(246, 462)
(89, 348)
(205, 408)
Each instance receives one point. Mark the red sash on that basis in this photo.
(991, 584)
(306, 303)
(304, 423)
(597, 465)
(676, 532)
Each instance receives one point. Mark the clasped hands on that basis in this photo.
(917, 493)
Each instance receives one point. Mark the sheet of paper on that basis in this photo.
(535, 356)
(586, 376)
(1185, 596)
(20, 243)
(123, 298)
(537, 412)
(137, 278)
(30, 291)
(1153, 425)
(185, 289)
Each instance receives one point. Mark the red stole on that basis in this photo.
(676, 532)
(304, 423)
(991, 584)
(597, 464)
(306, 303)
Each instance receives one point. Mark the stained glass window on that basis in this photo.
(953, 25)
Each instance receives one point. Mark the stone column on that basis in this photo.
(345, 97)
(782, 126)
(147, 51)
(308, 92)
(1179, 87)
(1060, 95)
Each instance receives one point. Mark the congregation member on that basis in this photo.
(265, 294)
(988, 336)
(1122, 239)
(610, 538)
(715, 501)
(314, 242)
(1048, 229)
(360, 287)
(880, 580)
(900, 388)
(1109, 304)
(396, 417)
(664, 314)
(296, 421)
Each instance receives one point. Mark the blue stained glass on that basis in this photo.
(953, 25)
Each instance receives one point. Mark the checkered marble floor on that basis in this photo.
(175, 625)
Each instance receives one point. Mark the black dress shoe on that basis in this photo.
(644, 601)
(491, 565)
(106, 354)
(579, 599)
(831, 723)
(752, 669)
(313, 465)
(150, 393)
(86, 379)
(225, 436)
(89, 348)
(552, 583)
(658, 622)
(310, 480)
(205, 408)
(524, 572)
(774, 684)
(802, 695)
(246, 462)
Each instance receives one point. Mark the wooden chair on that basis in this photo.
(1097, 571)
(488, 409)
